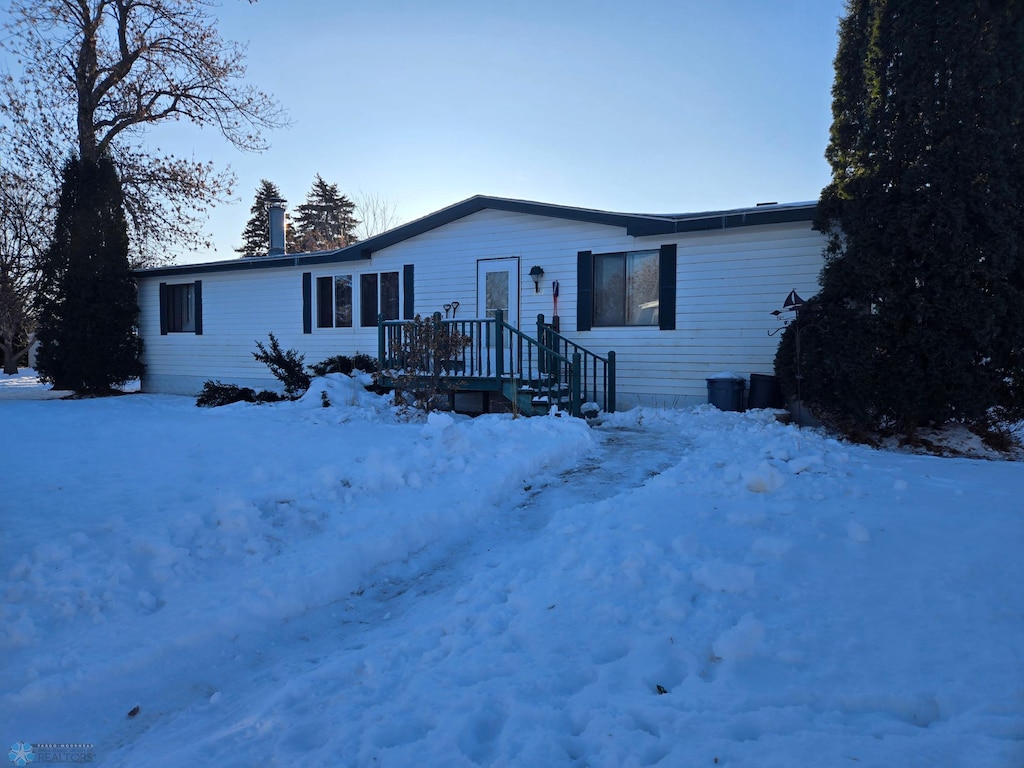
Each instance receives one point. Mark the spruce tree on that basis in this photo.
(88, 304)
(256, 236)
(326, 220)
(920, 319)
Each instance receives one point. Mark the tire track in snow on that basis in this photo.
(332, 649)
(625, 458)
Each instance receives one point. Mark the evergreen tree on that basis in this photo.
(88, 304)
(326, 220)
(256, 236)
(921, 314)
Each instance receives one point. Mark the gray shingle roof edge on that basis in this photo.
(635, 224)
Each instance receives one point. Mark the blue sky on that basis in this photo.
(649, 105)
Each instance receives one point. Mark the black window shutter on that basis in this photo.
(584, 290)
(408, 290)
(164, 309)
(667, 287)
(307, 302)
(197, 296)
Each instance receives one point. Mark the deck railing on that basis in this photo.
(597, 373)
(549, 368)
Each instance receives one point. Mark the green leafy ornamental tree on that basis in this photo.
(87, 301)
(920, 319)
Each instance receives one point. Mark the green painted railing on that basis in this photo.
(534, 369)
(597, 373)
(547, 369)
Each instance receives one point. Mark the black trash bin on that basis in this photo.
(726, 392)
(765, 392)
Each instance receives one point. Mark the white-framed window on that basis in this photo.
(334, 301)
(378, 294)
(181, 308)
(626, 288)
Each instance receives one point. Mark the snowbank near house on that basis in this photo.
(289, 583)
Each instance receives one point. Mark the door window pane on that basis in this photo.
(496, 293)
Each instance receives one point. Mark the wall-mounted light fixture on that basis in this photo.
(536, 274)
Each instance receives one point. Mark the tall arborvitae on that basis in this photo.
(256, 237)
(921, 315)
(326, 220)
(88, 304)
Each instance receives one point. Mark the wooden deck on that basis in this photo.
(487, 355)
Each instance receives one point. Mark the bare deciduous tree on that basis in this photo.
(95, 74)
(20, 248)
(376, 214)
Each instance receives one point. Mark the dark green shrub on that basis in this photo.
(269, 396)
(336, 364)
(215, 394)
(287, 367)
(87, 301)
(345, 364)
(365, 363)
(922, 302)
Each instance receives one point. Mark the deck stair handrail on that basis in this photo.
(538, 370)
(547, 370)
(597, 373)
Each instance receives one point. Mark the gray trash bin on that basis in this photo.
(726, 392)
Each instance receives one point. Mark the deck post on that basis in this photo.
(610, 394)
(575, 392)
(543, 364)
(380, 341)
(499, 344)
(436, 363)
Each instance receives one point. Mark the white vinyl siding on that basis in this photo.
(727, 284)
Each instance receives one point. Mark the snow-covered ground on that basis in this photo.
(291, 584)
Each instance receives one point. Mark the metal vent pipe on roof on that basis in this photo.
(275, 213)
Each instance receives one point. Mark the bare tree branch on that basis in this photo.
(376, 214)
(21, 244)
(96, 74)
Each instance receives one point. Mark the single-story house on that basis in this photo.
(678, 297)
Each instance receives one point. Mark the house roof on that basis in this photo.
(635, 224)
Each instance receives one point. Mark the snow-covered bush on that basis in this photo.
(215, 394)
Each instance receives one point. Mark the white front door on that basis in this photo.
(498, 288)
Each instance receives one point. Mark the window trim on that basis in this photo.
(374, 307)
(330, 314)
(622, 270)
(403, 303)
(585, 298)
(170, 299)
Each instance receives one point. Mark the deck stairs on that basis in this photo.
(489, 356)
